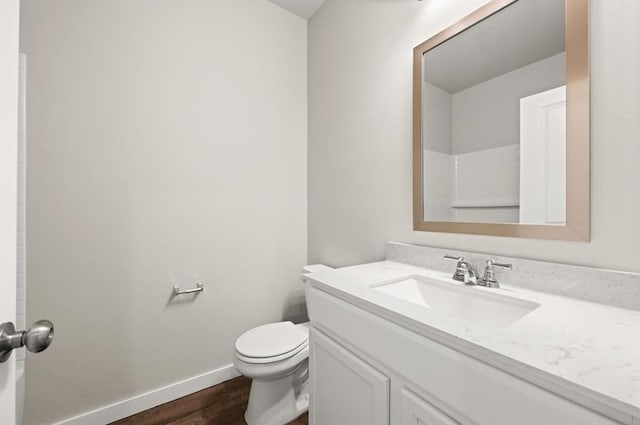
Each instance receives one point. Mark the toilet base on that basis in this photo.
(279, 401)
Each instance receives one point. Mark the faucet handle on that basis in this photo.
(491, 263)
(489, 279)
(462, 267)
(453, 257)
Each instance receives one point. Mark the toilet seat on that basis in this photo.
(273, 369)
(274, 359)
(271, 343)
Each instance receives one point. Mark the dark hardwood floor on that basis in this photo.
(223, 404)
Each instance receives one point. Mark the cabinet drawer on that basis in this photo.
(462, 384)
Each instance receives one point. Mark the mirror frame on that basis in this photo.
(577, 227)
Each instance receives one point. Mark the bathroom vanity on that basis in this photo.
(395, 343)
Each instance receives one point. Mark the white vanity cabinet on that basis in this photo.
(367, 370)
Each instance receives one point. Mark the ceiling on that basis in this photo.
(521, 34)
(302, 8)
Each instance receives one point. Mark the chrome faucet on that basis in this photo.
(465, 272)
(489, 278)
(468, 274)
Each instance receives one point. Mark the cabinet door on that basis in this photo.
(416, 411)
(345, 390)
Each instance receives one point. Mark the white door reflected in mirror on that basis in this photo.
(543, 158)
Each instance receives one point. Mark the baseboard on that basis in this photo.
(142, 402)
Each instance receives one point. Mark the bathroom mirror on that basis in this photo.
(501, 123)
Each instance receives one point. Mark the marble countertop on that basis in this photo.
(584, 351)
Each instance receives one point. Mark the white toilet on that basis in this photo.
(276, 357)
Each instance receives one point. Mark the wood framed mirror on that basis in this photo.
(501, 123)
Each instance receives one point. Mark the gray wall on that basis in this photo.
(360, 93)
(437, 125)
(166, 143)
(487, 115)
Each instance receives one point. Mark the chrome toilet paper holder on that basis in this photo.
(199, 288)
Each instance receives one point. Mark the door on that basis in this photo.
(9, 22)
(543, 158)
(344, 388)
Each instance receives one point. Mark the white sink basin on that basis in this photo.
(471, 304)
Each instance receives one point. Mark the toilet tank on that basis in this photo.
(313, 268)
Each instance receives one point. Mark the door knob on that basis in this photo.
(37, 338)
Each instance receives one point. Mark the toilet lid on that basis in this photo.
(271, 340)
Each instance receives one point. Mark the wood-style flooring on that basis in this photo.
(223, 404)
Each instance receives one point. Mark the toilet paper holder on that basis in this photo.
(199, 288)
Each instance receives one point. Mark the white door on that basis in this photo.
(543, 157)
(9, 22)
(345, 390)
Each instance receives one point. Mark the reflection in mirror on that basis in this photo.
(494, 119)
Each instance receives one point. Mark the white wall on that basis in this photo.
(167, 143)
(360, 93)
(437, 119)
(439, 183)
(487, 185)
(437, 171)
(480, 186)
(487, 115)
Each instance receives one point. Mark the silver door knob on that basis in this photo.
(37, 338)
